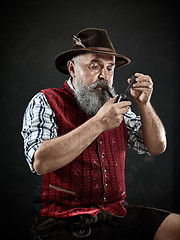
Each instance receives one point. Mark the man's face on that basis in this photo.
(93, 73)
(93, 67)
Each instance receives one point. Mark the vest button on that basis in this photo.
(100, 142)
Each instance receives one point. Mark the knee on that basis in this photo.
(169, 229)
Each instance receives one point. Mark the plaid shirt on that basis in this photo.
(39, 125)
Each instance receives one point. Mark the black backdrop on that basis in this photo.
(32, 34)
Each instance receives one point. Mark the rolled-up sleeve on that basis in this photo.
(135, 135)
(39, 125)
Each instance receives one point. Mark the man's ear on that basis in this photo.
(70, 66)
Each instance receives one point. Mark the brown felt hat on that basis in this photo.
(89, 40)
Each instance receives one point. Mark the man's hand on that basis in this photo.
(154, 134)
(111, 113)
(142, 90)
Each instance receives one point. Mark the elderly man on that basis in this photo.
(75, 143)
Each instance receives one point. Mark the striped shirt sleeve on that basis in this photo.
(39, 125)
(135, 136)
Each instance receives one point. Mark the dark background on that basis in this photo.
(32, 34)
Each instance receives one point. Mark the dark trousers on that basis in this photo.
(140, 223)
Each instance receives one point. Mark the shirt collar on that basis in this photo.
(69, 83)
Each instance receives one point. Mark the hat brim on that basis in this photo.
(62, 59)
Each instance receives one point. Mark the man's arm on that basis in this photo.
(154, 134)
(58, 152)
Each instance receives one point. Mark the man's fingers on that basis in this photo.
(124, 110)
(123, 104)
(142, 85)
(142, 78)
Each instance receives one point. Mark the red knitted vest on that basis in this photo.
(94, 181)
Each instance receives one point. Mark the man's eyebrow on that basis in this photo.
(95, 60)
(112, 64)
(99, 61)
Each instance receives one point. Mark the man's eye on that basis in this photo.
(110, 69)
(94, 66)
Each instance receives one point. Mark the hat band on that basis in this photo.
(101, 49)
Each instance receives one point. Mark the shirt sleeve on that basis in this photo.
(135, 136)
(39, 125)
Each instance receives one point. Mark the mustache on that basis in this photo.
(106, 88)
(100, 84)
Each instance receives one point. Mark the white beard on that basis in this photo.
(90, 98)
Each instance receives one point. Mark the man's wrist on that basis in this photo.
(144, 106)
(97, 124)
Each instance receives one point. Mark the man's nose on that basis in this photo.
(103, 74)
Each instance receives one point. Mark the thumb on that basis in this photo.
(114, 99)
